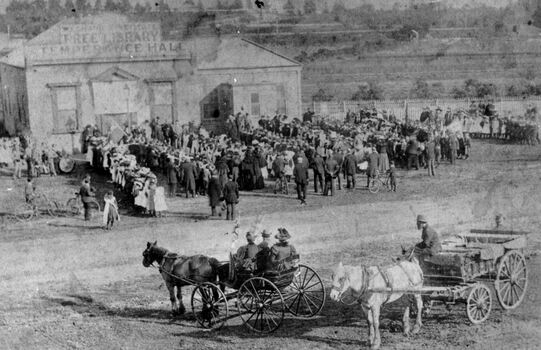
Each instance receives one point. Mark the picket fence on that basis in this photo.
(411, 109)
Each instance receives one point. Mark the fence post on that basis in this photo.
(313, 106)
(406, 112)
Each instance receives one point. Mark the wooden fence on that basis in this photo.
(505, 106)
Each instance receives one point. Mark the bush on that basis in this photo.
(371, 91)
(322, 96)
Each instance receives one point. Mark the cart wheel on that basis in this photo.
(479, 303)
(260, 305)
(305, 296)
(209, 306)
(374, 186)
(73, 206)
(24, 211)
(511, 280)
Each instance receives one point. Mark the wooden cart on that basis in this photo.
(470, 262)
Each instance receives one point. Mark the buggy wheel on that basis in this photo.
(478, 303)
(374, 185)
(260, 304)
(511, 280)
(24, 211)
(209, 306)
(74, 206)
(305, 296)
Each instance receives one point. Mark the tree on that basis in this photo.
(54, 7)
(236, 5)
(289, 8)
(69, 7)
(420, 89)
(370, 91)
(219, 5)
(82, 6)
(309, 7)
(98, 6)
(125, 6)
(321, 95)
(110, 5)
(139, 9)
(200, 6)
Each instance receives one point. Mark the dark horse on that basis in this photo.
(179, 270)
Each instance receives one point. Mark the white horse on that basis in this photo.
(373, 287)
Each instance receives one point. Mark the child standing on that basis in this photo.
(392, 176)
(110, 211)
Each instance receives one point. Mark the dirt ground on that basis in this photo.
(65, 284)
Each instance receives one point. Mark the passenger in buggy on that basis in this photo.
(245, 257)
(283, 255)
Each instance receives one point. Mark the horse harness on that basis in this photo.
(174, 256)
(366, 281)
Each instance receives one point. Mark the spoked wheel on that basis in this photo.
(511, 280)
(374, 185)
(260, 304)
(305, 296)
(209, 306)
(478, 303)
(52, 208)
(24, 211)
(74, 206)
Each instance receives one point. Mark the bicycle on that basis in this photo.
(75, 205)
(381, 180)
(34, 208)
(281, 185)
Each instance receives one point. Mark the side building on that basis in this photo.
(107, 70)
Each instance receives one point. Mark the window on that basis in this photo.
(256, 107)
(65, 105)
(162, 101)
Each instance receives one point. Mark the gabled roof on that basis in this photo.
(237, 53)
(115, 74)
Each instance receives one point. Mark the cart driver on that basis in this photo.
(431, 241)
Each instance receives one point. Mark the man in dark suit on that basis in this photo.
(339, 158)
(172, 181)
(373, 166)
(189, 174)
(300, 172)
(412, 153)
(231, 197)
(331, 170)
(319, 171)
(431, 156)
(350, 168)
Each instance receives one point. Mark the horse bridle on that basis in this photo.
(341, 291)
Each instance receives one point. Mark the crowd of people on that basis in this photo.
(196, 162)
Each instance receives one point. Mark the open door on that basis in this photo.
(215, 107)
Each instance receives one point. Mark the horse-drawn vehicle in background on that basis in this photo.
(261, 297)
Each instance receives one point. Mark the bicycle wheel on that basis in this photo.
(24, 211)
(74, 206)
(52, 208)
(374, 185)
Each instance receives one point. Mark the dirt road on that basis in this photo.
(67, 285)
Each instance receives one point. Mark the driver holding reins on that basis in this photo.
(431, 240)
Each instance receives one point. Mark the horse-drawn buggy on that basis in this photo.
(261, 296)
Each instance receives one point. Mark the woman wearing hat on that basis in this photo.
(282, 251)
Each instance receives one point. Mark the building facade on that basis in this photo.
(106, 71)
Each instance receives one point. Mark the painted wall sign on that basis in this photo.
(128, 40)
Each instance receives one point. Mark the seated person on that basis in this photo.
(245, 257)
(431, 240)
(282, 252)
(262, 257)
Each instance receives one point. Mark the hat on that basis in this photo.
(249, 236)
(282, 235)
(265, 234)
(421, 218)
